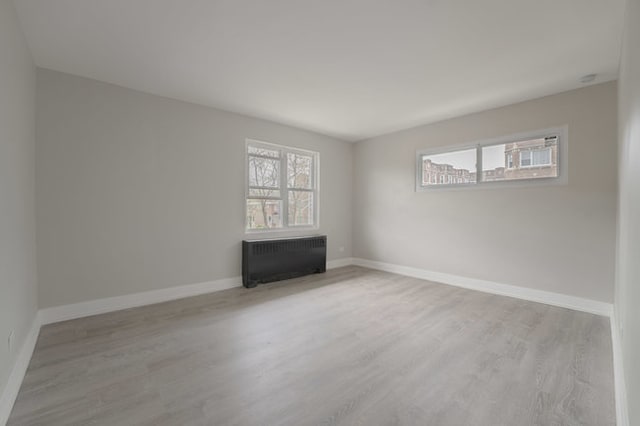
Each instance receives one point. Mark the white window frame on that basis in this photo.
(284, 186)
(535, 165)
(561, 132)
(509, 160)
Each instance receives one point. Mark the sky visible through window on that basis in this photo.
(460, 159)
(525, 159)
(493, 157)
(274, 202)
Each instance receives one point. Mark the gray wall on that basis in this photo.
(138, 192)
(628, 277)
(554, 238)
(18, 292)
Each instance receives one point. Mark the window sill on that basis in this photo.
(503, 184)
(281, 233)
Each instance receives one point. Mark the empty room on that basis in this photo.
(243, 212)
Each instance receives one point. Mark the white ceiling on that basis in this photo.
(346, 68)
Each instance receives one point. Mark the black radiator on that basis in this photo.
(264, 261)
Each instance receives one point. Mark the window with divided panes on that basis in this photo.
(282, 187)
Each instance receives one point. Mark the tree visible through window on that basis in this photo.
(282, 187)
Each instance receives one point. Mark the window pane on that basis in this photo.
(495, 162)
(541, 157)
(530, 159)
(264, 172)
(263, 151)
(300, 208)
(280, 181)
(299, 168)
(264, 214)
(458, 167)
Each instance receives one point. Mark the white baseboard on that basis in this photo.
(622, 409)
(12, 388)
(339, 263)
(99, 306)
(549, 298)
(540, 296)
(110, 304)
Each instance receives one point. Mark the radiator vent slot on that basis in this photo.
(272, 260)
(263, 248)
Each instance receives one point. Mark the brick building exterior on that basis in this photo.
(536, 158)
(434, 173)
(532, 159)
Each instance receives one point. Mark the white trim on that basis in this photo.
(531, 150)
(110, 304)
(277, 233)
(561, 132)
(339, 263)
(284, 187)
(94, 307)
(533, 295)
(12, 388)
(622, 409)
(540, 296)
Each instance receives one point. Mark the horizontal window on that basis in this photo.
(282, 187)
(524, 157)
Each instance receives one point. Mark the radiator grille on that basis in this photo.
(283, 246)
(272, 260)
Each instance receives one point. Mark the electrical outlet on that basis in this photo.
(341, 249)
(10, 341)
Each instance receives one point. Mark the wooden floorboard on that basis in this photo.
(352, 346)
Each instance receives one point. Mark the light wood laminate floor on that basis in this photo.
(349, 347)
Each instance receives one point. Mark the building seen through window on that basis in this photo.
(521, 160)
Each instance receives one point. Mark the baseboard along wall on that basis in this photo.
(529, 294)
(12, 388)
(110, 304)
(622, 409)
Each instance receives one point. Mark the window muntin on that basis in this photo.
(518, 158)
(282, 189)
